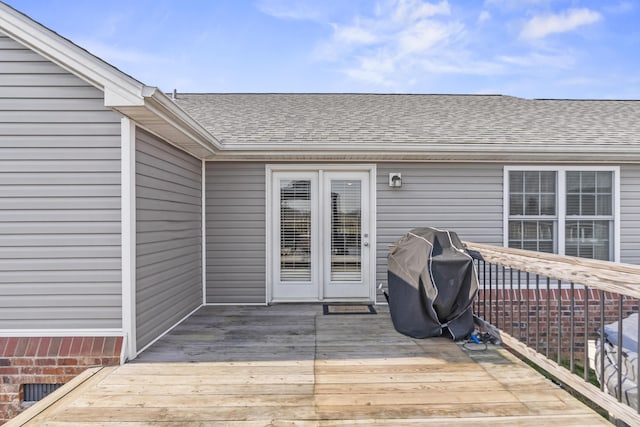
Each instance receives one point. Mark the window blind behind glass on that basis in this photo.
(346, 263)
(295, 231)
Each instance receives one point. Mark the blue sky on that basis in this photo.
(526, 48)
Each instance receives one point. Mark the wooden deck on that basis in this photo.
(291, 365)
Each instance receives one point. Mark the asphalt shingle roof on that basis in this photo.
(414, 119)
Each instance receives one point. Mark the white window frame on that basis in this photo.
(561, 201)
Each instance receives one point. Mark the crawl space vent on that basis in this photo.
(36, 392)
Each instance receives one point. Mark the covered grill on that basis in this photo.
(432, 285)
(608, 369)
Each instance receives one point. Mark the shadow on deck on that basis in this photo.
(292, 365)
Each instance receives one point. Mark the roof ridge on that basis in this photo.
(347, 93)
(402, 94)
(586, 99)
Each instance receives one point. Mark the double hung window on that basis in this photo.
(563, 210)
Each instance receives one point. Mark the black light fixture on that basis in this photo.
(395, 179)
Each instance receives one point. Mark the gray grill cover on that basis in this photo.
(432, 285)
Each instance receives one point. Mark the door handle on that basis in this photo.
(366, 243)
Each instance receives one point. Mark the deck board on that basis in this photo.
(289, 365)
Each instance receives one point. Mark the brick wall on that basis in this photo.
(48, 360)
(539, 317)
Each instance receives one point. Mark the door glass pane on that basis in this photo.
(346, 230)
(295, 231)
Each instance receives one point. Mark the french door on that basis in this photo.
(321, 235)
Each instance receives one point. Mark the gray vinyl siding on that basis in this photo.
(468, 199)
(630, 214)
(465, 198)
(168, 236)
(235, 212)
(462, 197)
(60, 257)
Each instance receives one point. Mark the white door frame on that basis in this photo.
(269, 221)
(299, 290)
(329, 286)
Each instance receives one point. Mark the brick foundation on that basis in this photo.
(48, 360)
(536, 317)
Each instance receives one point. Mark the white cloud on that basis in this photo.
(541, 26)
(484, 17)
(353, 34)
(403, 11)
(386, 45)
(400, 43)
(514, 4)
(373, 69)
(425, 35)
(461, 66)
(536, 60)
(298, 10)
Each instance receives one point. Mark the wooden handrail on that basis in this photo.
(618, 409)
(617, 278)
(607, 276)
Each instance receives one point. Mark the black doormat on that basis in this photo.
(348, 309)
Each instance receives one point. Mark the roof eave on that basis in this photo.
(434, 152)
(160, 115)
(143, 104)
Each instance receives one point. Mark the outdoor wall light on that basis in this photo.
(395, 179)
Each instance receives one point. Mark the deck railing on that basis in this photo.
(552, 310)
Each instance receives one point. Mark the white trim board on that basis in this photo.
(236, 304)
(203, 210)
(61, 333)
(268, 218)
(128, 219)
(320, 168)
(429, 153)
